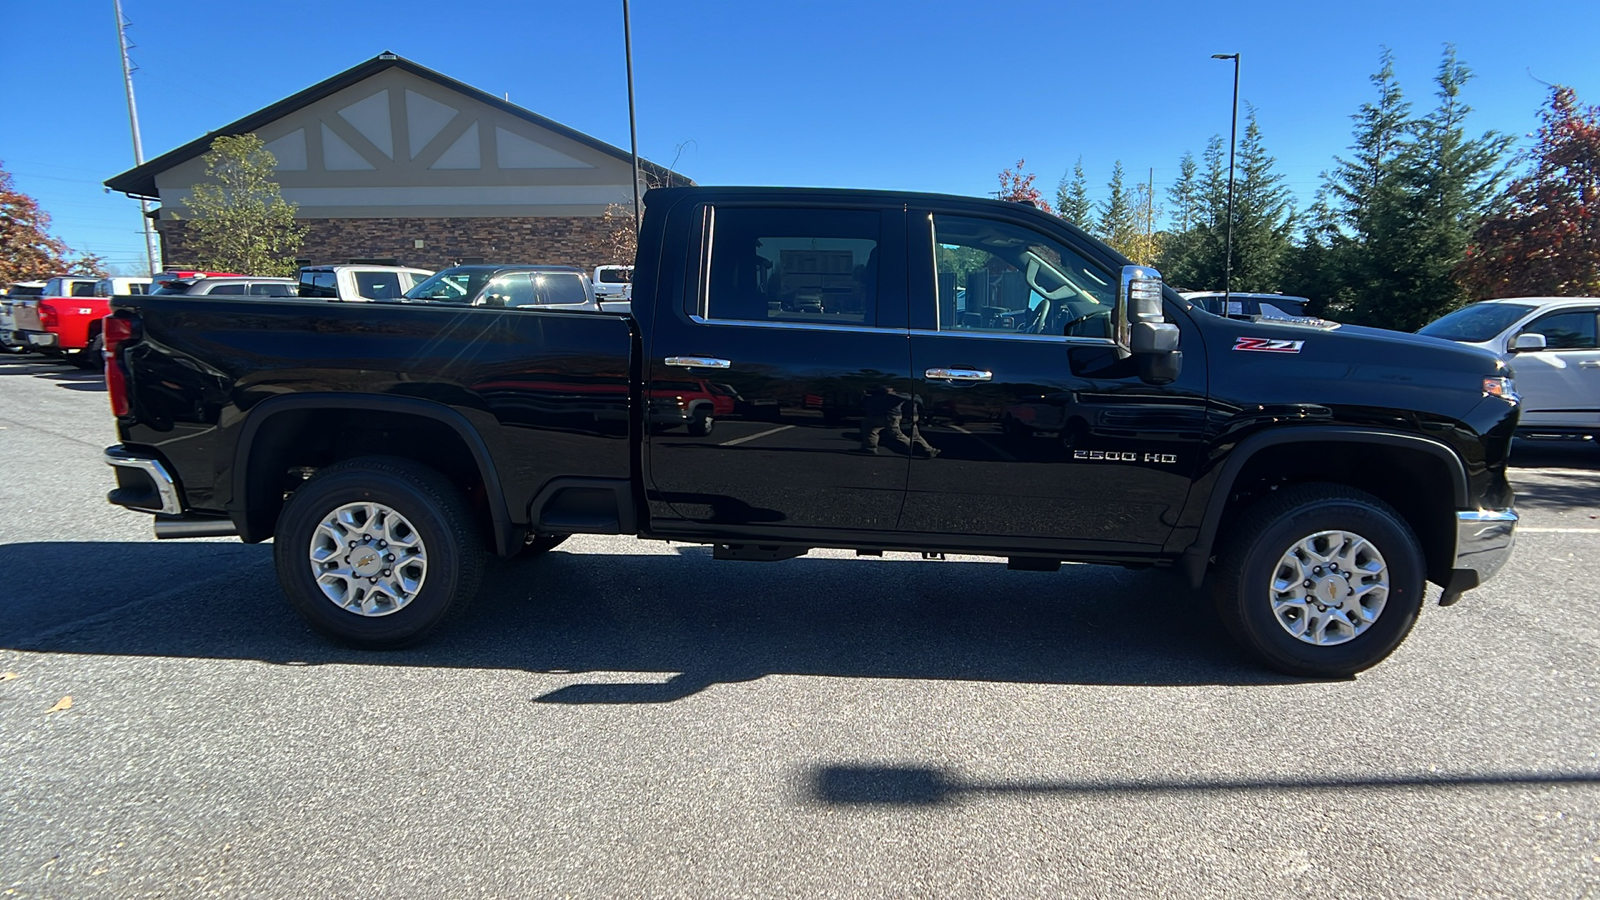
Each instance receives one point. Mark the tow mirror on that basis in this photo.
(1142, 330)
(1528, 340)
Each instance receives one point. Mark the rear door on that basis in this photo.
(1046, 437)
(799, 309)
(1560, 385)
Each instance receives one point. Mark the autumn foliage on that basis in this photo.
(1018, 188)
(28, 252)
(1546, 240)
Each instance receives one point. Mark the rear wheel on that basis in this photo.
(91, 356)
(376, 552)
(701, 423)
(1320, 580)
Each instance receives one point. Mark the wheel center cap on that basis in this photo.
(366, 560)
(1332, 590)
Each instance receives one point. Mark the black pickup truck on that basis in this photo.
(937, 374)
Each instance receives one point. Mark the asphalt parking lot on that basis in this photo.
(628, 718)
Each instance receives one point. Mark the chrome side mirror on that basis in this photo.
(1528, 340)
(1142, 329)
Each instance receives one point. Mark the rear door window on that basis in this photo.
(227, 289)
(272, 289)
(83, 289)
(379, 285)
(812, 266)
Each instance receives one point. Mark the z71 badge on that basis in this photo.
(1268, 345)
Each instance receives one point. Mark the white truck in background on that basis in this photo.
(613, 287)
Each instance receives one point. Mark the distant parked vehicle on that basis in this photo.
(115, 285)
(507, 286)
(10, 341)
(201, 284)
(356, 283)
(63, 320)
(1249, 306)
(1552, 345)
(613, 283)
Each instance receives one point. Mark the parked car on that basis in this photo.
(354, 283)
(202, 285)
(691, 403)
(360, 441)
(508, 286)
(64, 320)
(10, 340)
(1552, 346)
(613, 283)
(1248, 306)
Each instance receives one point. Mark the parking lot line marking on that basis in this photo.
(759, 434)
(1555, 530)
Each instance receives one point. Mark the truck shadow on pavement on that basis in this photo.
(625, 615)
(845, 785)
(64, 373)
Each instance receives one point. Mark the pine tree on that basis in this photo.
(1195, 259)
(1444, 183)
(240, 222)
(1263, 216)
(1546, 239)
(1118, 225)
(1072, 199)
(1185, 195)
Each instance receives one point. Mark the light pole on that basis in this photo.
(633, 127)
(1233, 141)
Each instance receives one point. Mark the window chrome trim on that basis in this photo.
(797, 326)
(1007, 336)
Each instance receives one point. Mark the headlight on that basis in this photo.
(1501, 387)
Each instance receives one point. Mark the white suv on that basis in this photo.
(1553, 347)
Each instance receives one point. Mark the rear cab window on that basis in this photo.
(802, 266)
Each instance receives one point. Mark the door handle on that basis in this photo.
(698, 362)
(1589, 363)
(958, 373)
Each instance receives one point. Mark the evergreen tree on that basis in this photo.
(1194, 260)
(240, 222)
(1263, 216)
(1185, 195)
(1119, 225)
(1546, 239)
(1072, 199)
(1444, 183)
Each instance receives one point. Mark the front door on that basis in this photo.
(1046, 437)
(1560, 385)
(756, 377)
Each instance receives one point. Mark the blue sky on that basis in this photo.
(910, 96)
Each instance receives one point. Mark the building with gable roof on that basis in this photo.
(392, 160)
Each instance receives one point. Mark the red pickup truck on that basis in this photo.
(64, 321)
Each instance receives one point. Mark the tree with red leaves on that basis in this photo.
(1018, 188)
(28, 252)
(1545, 241)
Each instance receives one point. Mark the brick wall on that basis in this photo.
(554, 240)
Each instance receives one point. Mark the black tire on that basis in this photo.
(91, 356)
(1260, 537)
(455, 548)
(701, 423)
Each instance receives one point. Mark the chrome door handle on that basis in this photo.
(958, 374)
(1589, 363)
(698, 362)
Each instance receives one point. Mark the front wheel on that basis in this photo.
(701, 424)
(376, 552)
(1320, 580)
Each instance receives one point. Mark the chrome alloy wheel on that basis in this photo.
(367, 559)
(1330, 587)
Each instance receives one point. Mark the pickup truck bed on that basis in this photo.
(1025, 397)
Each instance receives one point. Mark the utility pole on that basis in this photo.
(1233, 141)
(1150, 218)
(151, 249)
(633, 123)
